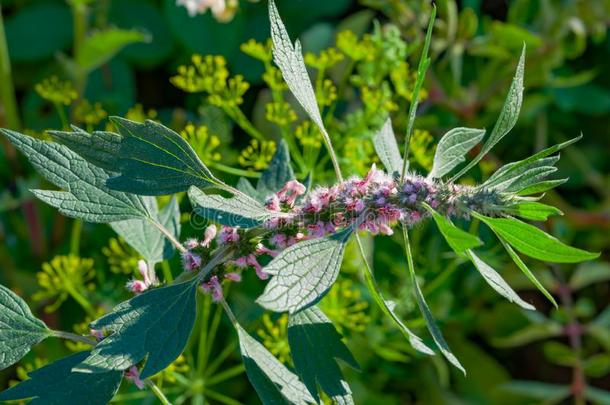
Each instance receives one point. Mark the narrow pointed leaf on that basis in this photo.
(534, 242)
(278, 173)
(154, 160)
(541, 187)
(527, 272)
(56, 384)
(533, 176)
(458, 240)
(239, 210)
(387, 148)
(19, 329)
(303, 273)
(145, 237)
(315, 347)
(533, 210)
(86, 195)
(452, 148)
(496, 282)
(154, 325)
(507, 119)
(273, 382)
(99, 148)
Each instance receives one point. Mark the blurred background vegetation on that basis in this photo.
(210, 77)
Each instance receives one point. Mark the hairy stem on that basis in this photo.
(74, 337)
(168, 235)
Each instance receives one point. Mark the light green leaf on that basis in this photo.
(387, 148)
(303, 273)
(99, 47)
(458, 240)
(507, 119)
(19, 329)
(273, 382)
(154, 325)
(145, 237)
(315, 347)
(597, 396)
(154, 160)
(496, 282)
(541, 187)
(56, 384)
(99, 148)
(529, 178)
(240, 210)
(86, 195)
(533, 242)
(533, 210)
(502, 180)
(527, 271)
(598, 365)
(452, 148)
(278, 173)
(589, 273)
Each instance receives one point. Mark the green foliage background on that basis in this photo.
(72, 272)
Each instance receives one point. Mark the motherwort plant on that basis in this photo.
(290, 233)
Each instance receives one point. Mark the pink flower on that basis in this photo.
(262, 249)
(97, 334)
(291, 190)
(232, 276)
(133, 374)
(228, 234)
(208, 235)
(213, 286)
(241, 262)
(191, 243)
(273, 203)
(279, 240)
(139, 286)
(251, 260)
(191, 261)
(136, 286)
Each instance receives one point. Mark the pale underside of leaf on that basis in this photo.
(387, 148)
(452, 148)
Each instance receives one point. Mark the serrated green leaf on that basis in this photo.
(507, 119)
(239, 210)
(277, 174)
(452, 148)
(315, 347)
(496, 282)
(273, 382)
(56, 384)
(99, 148)
(527, 271)
(502, 180)
(533, 176)
(154, 160)
(541, 187)
(533, 242)
(99, 47)
(533, 210)
(387, 148)
(154, 325)
(458, 240)
(303, 273)
(86, 195)
(19, 329)
(512, 170)
(145, 237)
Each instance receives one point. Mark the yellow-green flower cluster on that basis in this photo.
(275, 337)
(122, 259)
(90, 114)
(280, 113)
(56, 91)
(257, 155)
(345, 306)
(204, 144)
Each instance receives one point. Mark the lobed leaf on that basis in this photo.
(154, 160)
(273, 382)
(496, 281)
(459, 240)
(99, 148)
(86, 195)
(387, 148)
(19, 329)
(145, 237)
(507, 119)
(533, 242)
(57, 384)
(452, 148)
(533, 210)
(315, 347)
(303, 273)
(154, 325)
(239, 210)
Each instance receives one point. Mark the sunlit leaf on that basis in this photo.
(533, 210)
(452, 148)
(387, 148)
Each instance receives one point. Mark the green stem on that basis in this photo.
(7, 90)
(229, 313)
(62, 115)
(424, 62)
(78, 297)
(244, 123)
(158, 393)
(72, 336)
(75, 236)
(168, 235)
(167, 272)
(232, 170)
(80, 16)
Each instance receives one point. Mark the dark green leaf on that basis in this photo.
(278, 173)
(452, 148)
(154, 160)
(303, 273)
(533, 242)
(86, 195)
(99, 148)
(154, 325)
(273, 382)
(533, 210)
(56, 384)
(458, 240)
(19, 329)
(387, 148)
(145, 237)
(315, 347)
